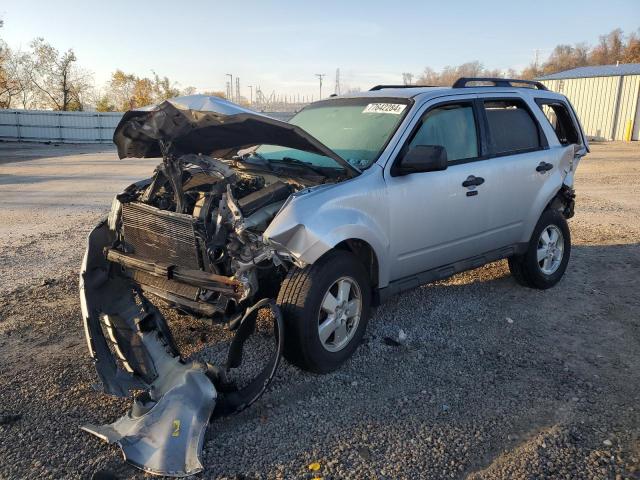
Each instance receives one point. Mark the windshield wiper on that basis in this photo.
(296, 162)
(262, 160)
(286, 161)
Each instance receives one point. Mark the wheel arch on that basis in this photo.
(308, 243)
(544, 200)
(366, 254)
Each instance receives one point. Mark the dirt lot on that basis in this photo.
(495, 381)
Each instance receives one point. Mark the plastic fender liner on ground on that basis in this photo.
(237, 400)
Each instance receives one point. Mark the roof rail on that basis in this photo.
(497, 82)
(381, 87)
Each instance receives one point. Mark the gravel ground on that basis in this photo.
(495, 381)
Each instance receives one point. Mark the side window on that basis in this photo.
(512, 129)
(561, 121)
(451, 126)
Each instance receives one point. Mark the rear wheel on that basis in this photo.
(326, 307)
(547, 256)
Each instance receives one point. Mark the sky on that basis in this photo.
(281, 45)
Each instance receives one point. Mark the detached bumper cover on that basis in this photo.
(133, 350)
(167, 439)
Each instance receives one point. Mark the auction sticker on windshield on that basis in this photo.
(394, 108)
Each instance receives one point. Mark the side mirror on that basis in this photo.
(423, 158)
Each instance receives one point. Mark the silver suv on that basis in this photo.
(357, 198)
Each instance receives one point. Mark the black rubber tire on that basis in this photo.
(300, 297)
(525, 268)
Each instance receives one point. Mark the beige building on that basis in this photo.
(606, 99)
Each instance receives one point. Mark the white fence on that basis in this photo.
(68, 127)
(63, 127)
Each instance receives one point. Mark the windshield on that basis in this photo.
(357, 129)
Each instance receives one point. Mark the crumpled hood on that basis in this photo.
(208, 125)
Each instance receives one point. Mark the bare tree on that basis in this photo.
(450, 74)
(565, 57)
(163, 88)
(349, 90)
(215, 93)
(609, 50)
(407, 78)
(8, 87)
(613, 47)
(17, 68)
(60, 83)
(632, 50)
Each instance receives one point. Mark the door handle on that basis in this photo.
(473, 181)
(544, 167)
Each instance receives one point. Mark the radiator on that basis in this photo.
(162, 236)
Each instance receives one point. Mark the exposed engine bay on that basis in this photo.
(191, 236)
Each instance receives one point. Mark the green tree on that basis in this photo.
(120, 90)
(104, 104)
(126, 91)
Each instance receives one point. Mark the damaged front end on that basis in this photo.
(191, 237)
(134, 351)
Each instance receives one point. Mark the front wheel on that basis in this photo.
(326, 307)
(547, 256)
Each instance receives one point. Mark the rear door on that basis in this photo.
(562, 119)
(521, 163)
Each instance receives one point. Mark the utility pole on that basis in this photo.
(320, 77)
(230, 89)
(250, 94)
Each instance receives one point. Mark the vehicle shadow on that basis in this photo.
(11, 152)
(488, 367)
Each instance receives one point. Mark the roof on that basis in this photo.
(432, 92)
(596, 71)
(406, 92)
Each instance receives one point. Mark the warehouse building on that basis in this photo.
(606, 99)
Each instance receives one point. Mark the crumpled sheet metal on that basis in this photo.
(207, 125)
(167, 439)
(133, 349)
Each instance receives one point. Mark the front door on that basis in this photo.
(440, 217)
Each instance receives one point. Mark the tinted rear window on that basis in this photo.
(511, 127)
